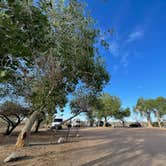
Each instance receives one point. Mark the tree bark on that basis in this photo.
(38, 122)
(105, 121)
(158, 119)
(149, 121)
(159, 123)
(23, 138)
(15, 124)
(91, 123)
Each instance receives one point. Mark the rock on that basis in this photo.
(61, 140)
(11, 157)
(77, 135)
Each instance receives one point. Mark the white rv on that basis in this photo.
(56, 124)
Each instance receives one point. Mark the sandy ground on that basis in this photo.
(95, 146)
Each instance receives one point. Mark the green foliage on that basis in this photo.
(148, 106)
(23, 30)
(152, 105)
(83, 100)
(144, 106)
(122, 113)
(160, 105)
(107, 106)
(56, 43)
(10, 108)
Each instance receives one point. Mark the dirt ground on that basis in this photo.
(95, 146)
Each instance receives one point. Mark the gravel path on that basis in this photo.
(98, 146)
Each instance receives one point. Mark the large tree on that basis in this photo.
(146, 108)
(159, 108)
(54, 43)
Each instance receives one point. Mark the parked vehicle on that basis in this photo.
(135, 125)
(108, 124)
(76, 123)
(56, 124)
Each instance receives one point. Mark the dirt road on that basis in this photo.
(103, 146)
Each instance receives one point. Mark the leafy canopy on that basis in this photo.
(108, 106)
(47, 49)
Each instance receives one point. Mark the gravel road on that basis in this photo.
(98, 147)
(129, 147)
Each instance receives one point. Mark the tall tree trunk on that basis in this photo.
(159, 120)
(91, 123)
(159, 123)
(23, 138)
(149, 121)
(105, 121)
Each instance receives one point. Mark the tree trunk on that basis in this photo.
(158, 119)
(98, 124)
(149, 121)
(11, 124)
(38, 122)
(91, 123)
(159, 123)
(71, 118)
(123, 123)
(105, 121)
(7, 129)
(23, 138)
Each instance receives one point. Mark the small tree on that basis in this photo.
(107, 107)
(12, 113)
(121, 114)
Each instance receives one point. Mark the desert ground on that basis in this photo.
(94, 146)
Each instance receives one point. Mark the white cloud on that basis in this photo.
(122, 52)
(125, 59)
(135, 36)
(114, 49)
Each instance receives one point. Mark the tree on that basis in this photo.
(68, 58)
(91, 117)
(145, 107)
(121, 114)
(83, 100)
(159, 108)
(12, 114)
(156, 106)
(108, 106)
(23, 32)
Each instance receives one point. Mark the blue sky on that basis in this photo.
(136, 58)
(137, 54)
